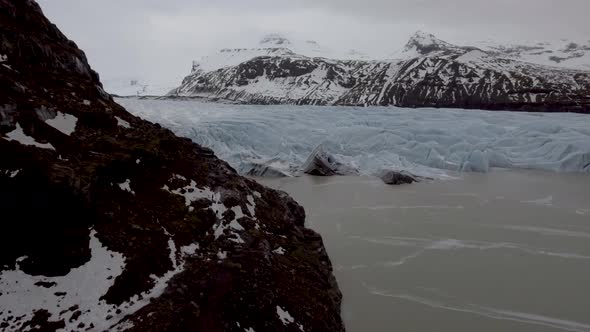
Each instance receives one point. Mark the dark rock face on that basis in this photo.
(321, 163)
(109, 222)
(397, 178)
(437, 75)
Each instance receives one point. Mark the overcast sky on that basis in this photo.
(158, 39)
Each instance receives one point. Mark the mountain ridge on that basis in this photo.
(428, 73)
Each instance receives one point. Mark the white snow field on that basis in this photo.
(427, 142)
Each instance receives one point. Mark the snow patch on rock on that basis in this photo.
(279, 251)
(122, 122)
(126, 186)
(66, 123)
(284, 316)
(192, 193)
(82, 286)
(19, 135)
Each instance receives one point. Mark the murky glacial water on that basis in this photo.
(503, 251)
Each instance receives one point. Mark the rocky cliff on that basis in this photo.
(428, 72)
(109, 222)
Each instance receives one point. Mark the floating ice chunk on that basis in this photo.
(86, 102)
(19, 135)
(284, 316)
(66, 123)
(447, 244)
(3, 58)
(279, 251)
(547, 201)
(322, 163)
(122, 122)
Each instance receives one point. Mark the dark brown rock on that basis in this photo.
(322, 163)
(397, 178)
(121, 180)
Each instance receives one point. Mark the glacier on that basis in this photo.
(435, 143)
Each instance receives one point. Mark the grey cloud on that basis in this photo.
(159, 39)
(502, 19)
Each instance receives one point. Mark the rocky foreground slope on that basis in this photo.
(109, 222)
(428, 72)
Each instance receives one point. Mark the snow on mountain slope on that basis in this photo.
(428, 143)
(426, 44)
(563, 53)
(428, 72)
(232, 57)
(305, 47)
(273, 45)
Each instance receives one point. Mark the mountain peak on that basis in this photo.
(424, 36)
(424, 43)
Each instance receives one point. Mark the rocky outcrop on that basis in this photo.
(321, 163)
(397, 178)
(428, 73)
(110, 222)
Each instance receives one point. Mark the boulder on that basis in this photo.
(109, 222)
(397, 177)
(322, 163)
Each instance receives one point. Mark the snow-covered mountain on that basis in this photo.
(426, 44)
(563, 53)
(272, 45)
(427, 72)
